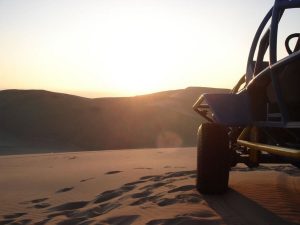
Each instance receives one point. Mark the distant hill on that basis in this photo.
(42, 121)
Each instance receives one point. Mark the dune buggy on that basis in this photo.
(259, 120)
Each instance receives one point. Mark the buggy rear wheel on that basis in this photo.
(213, 159)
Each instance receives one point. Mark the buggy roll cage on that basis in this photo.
(256, 68)
(269, 39)
(270, 36)
(234, 109)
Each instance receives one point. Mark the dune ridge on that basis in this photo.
(35, 121)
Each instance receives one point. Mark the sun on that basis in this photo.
(131, 72)
(138, 63)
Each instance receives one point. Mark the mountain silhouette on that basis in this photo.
(34, 121)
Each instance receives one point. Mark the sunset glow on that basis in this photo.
(121, 48)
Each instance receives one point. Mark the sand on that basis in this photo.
(150, 186)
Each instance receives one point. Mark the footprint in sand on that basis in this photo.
(148, 191)
(179, 174)
(121, 220)
(69, 206)
(154, 185)
(142, 194)
(183, 188)
(6, 221)
(42, 205)
(64, 190)
(70, 210)
(144, 200)
(84, 180)
(74, 221)
(21, 222)
(37, 203)
(183, 198)
(39, 200)
(113, 172)
(42, 222)
(150, 177)
(142, 168)
(72, 157)
(135, 182)
(111, 194)
(192, 218)
(11, 219)
(14, 215)
(67, 213)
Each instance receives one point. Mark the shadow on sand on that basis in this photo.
(235, 208)
(157, 192)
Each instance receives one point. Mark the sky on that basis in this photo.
(98, 48)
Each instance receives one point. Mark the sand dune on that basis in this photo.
(150, 186)
(36, 121)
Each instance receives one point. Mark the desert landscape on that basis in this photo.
(142, 186)
(124, 112)
(38, 121)
(49, 175)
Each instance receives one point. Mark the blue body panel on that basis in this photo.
(230, 109)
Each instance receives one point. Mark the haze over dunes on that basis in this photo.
(41, 121)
